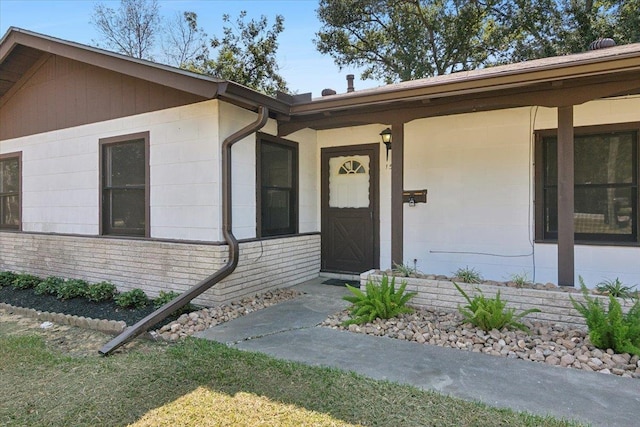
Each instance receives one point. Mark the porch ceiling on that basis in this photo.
(549, 82)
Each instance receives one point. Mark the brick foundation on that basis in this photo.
(154, 266)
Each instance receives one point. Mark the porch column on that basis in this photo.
(397, 186)
(566, 226)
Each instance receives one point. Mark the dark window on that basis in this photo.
(125, 174)
(10, 191)
(606, 185)
(277, 205)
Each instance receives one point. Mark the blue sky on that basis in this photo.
(304, 68)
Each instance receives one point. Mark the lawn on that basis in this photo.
(196, 382)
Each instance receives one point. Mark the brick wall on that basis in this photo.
(555, 306)
(159, 265)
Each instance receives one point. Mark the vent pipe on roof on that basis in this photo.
(350, 87)
(227, 230)
(601, 43)
(328, 92)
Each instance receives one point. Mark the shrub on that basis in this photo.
(468, 275)
(610, 328)
(616, 288)
(49, 286)
(491, 313)
(381, 300)
(72, 288)
(7, 278)
(165, 297)
(25, 281)
(103, 291)
(135, 298)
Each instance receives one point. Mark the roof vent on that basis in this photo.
(328, 92)
(350, 87)
(602, 44)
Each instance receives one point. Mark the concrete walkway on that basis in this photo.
(288, 331)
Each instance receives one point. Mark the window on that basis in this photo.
(125, 185)
(10, 191)
(605, 179)
(277, 184)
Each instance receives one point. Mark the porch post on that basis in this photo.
(566, 226)
(397, 186)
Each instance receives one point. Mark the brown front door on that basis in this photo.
(350, 208)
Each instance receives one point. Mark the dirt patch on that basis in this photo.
(68, 340)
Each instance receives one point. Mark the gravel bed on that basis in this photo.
(551, 344)
(196, 321)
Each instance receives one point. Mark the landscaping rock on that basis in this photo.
(553, 344)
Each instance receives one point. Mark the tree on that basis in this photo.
(407, 39)
(183, 41)
(246, 54)
(131, 29)
(404, 39)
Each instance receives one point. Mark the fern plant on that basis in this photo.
(381, 300)
(491, 313)
(610, 328)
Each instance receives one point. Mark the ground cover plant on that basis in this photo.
(103, 291)
(210, 384)
(25, 281)
(491, 313)
(80, 298)
(165, 297)
(380, 300)
(135, 298)
(72, 288)
(610, 328)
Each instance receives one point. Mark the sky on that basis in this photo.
(302, 66)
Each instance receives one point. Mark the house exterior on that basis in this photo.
(111, 169)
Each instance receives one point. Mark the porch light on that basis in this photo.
(386, 139)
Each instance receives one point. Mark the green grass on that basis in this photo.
(197, 382)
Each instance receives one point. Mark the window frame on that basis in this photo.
(104, 143)
(294, 189)
(17, 155)
(541, 236)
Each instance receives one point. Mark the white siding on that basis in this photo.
(61, 182)
(478, 169)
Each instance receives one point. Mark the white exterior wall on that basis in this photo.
(594, 263)
(60, 175)
(61, 196)
(478, 169)
(243, 156)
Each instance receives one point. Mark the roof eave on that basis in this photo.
(483, 82)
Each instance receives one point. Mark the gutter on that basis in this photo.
(234, 249)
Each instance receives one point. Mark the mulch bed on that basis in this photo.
(77, 306)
